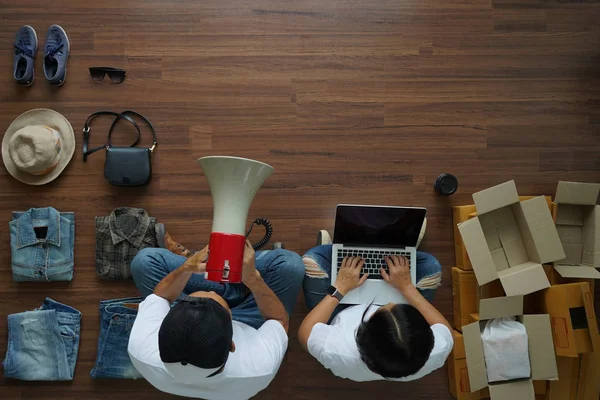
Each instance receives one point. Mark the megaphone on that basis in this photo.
(233, 182)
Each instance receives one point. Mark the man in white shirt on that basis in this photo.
(219, 342)
(400, 342)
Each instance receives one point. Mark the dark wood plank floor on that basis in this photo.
(350, 100)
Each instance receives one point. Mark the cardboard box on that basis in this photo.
(510, 240)
(463, 213)
(578, 223)
(464, 296)
(458, 377)
(578, 378)
(541, 349)
(565, 388)
(557, 279)
(574, 323)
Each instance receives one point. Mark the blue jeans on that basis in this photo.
(43, 344)
(282, 271)
(316, 280)
(116, 321)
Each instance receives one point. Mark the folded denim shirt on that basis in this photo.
(42, 245)
(43, 344)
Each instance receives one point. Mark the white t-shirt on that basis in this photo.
(250, 369)
(335, 347)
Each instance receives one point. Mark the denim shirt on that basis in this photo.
(48, 257)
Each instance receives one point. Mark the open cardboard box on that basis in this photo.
(574, 323)
(578, 223)
(510, 240)
(458, 376)
(541, 349)
(463, 213)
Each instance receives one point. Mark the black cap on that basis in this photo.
(197, 331)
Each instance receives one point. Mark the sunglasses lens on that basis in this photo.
(117, 76)
(97, 75)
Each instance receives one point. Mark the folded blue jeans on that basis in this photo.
(116, 321)
(43, 344)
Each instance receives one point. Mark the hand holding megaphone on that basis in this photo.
(197, 263)
(249, 271)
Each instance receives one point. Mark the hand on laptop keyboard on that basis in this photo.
(349, 275)
(374, 259)
(398, 273)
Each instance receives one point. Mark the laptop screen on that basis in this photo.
(378, 226)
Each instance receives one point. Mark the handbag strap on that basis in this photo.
(86, 131)
(126, 113)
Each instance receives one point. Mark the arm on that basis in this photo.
(268, 303)
(348, 279)
(399, 277)
(172, 285)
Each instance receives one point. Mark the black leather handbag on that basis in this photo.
(124, 166)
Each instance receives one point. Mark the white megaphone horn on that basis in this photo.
(233, 183)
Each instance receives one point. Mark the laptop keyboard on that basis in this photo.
(373, 259)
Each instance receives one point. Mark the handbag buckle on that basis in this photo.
(153, 147)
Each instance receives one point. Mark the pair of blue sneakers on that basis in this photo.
(56, 53)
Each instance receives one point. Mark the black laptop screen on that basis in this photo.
(378, 226)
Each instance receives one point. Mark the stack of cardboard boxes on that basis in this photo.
(504, 246)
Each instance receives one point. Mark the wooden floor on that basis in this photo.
(352, 101)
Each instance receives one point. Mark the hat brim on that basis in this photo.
(40, 116)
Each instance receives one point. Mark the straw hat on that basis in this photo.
(37, 146)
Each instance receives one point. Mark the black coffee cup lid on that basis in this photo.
(446, 184)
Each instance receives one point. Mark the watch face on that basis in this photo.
(331, 290)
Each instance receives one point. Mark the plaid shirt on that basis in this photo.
(119, 237)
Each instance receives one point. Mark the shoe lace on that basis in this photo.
(22, 47)
(51, 50)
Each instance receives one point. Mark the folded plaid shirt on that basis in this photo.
(119, 237)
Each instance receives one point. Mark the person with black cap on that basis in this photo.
(217, 341)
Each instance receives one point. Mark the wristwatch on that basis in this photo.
(333, 292)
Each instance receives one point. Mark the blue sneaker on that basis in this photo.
(26, 45)
(56, 53)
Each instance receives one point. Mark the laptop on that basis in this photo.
(373, 232)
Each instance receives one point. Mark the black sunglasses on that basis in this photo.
(116, 75)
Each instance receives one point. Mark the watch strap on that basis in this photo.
(333, 292)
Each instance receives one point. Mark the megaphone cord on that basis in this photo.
(269, 232)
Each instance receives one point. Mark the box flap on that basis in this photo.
(500, 260)
(475, 359)
(591, 237)
(576, 193)
(496, 197)
(513, 246)
(499, 307)
(541, 347)
(543, 232)
(478, 251)
(577, 271)
(570, 234)
(517, 390)
(569, 214)
(573, 254)
(488, 225)
(523, 279)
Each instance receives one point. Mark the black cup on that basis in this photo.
(446, 184)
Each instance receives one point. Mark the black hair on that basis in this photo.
(395, 343)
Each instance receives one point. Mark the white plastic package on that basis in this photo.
(505, 350)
